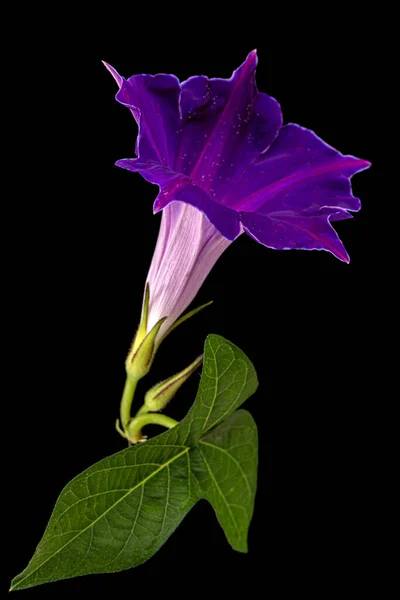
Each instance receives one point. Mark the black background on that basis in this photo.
(80, 242)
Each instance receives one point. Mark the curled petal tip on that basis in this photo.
(114, 73)
(362, 164)
(344, 258)
(252, 58)
(365, 164)
(341, 254)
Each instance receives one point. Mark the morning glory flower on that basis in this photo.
(226, 165)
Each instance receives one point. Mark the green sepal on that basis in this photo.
(142, 329)
(139, 361)
(184, 318)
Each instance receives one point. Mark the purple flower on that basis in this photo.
(225, 165)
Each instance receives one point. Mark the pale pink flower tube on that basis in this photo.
(187, 248)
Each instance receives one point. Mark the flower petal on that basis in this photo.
(153, 100)
(286, 230)
(290, 194)
(299, 172)
(225, 124)
(176, 187)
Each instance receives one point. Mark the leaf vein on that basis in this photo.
(239, 466)
(105, 513)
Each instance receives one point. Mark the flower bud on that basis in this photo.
(159, 395)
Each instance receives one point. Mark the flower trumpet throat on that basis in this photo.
(162, 393)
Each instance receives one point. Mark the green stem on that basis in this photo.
(143, 410)
(126, 402)
(141, 420)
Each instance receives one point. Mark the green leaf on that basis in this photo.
(119, 512)
(227, 380)
(226, 469)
